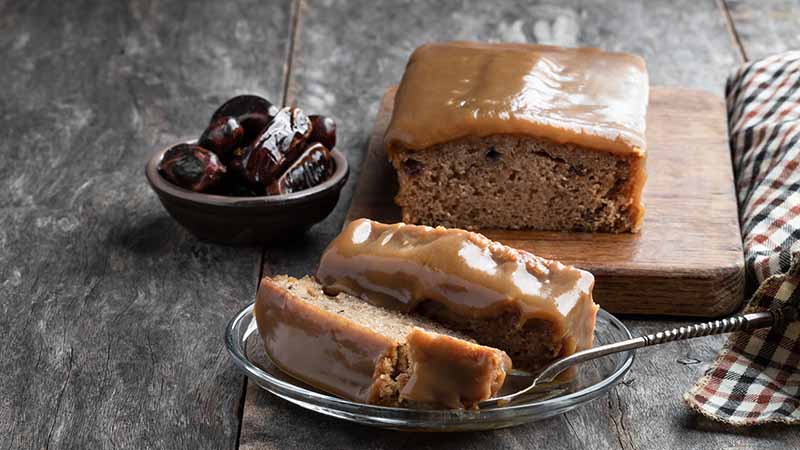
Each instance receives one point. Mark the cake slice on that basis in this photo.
(519, 136)
(368, 354)
(534, 309)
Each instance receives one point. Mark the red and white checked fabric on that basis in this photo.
(756, 377)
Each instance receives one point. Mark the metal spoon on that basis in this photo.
(727, 325)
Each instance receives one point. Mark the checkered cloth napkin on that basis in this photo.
(756, 377)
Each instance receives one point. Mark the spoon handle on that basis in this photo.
(748, 321)
(727, 325)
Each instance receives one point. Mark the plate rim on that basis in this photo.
(330, 405)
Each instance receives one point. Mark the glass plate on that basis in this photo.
(592, 380)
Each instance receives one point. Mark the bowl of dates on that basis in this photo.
(256, 174)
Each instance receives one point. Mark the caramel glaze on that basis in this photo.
(339, 356)
(450, 372)
(399, 266)
(319, 347)
(584, 96)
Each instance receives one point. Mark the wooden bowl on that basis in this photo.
(248, 220)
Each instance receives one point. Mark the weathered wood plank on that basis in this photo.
(347, 53)
(765, 27)
(111, 315)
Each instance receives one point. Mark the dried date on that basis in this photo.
(278, 146)
(223, 136)
(251, 111)
(323, 130)
(313, 167)
(191, 167)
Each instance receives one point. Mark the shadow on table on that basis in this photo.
(150, 235)
(270, 422)
(706, 425)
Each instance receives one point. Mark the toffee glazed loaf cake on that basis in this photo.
(519, 136)
(369, 354)
(534, 309)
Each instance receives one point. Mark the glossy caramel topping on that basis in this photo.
(450, 372)
(323, 343)
(583, 96)
(317, 346)
(401, 265)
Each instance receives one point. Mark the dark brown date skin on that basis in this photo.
(232, 186)
(313, 167)
(278, 146)
(323, 130)
(191, 167)
(251, 111)
(223, 136)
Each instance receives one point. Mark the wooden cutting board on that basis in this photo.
(687, 260)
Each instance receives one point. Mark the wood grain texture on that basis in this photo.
(111, 315)
(348, 52)
(687, 259)
(642, 412)
(765, 27)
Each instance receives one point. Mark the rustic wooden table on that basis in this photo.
(111, 315)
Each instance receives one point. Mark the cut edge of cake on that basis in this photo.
(520, 182)
(363, 261)
(411, 351)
